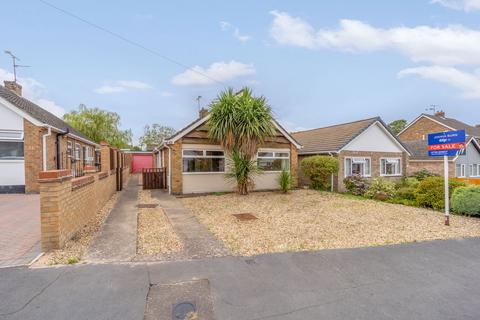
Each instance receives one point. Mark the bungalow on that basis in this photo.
(415, 136)
(33, 140)
(365, 147)
(196, 164)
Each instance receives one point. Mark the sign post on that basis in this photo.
(447, 144)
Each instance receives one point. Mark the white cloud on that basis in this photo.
(469, 83)
(35, 92)
(227, 26)
(452, 45)
(465, 5)
(122, 86)
(217, 71)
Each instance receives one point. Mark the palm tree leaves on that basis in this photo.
(240, 121)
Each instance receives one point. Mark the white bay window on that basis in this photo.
(390, 166)
(358, 166)
(273, 160)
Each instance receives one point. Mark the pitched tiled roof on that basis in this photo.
(38, 112)
(332, 138)
(455, 124)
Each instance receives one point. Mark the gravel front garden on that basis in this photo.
(312, 220)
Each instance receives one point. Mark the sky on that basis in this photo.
(317, 62)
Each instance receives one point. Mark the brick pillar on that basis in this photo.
(294, 165)
(176, 172)
(105, 156)
(33, 156)
(55, 187)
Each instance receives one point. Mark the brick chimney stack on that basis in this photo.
(13, 86)
(440, 113)
(203, 113)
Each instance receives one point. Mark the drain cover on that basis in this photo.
(245, 216)
(182, 310)
(147, 205)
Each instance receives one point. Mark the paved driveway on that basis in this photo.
(19, 229)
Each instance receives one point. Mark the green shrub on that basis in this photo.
(380, 189)
(72, 260)
(285, 180)
(406, 193)
(409, 182)
(466, 200)
(430, 192)
(356, 185)
(319, 170)
(423, 174)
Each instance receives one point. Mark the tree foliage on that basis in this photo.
(155, 134)
(240, 122)
(397, 125)
(99, 125)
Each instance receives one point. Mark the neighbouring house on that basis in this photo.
(195, 164)
(34, 140)
(365, 147)
(415, 137)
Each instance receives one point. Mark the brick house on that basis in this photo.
(365, 147)
(195, 164)
(415, 137)
(34, 140)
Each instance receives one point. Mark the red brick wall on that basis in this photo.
(420, 129)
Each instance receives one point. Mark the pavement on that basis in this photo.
(19, 229)
(428, 280)
(117, 240)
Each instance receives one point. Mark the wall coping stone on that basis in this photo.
(54, 175)
(80, 182)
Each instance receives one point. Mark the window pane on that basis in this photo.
(215, 153)
(203, 164)
(457, 170)
(273, 164)
(367, 167)
(192, 152)
(265, 154)
(348, 167)
(357, 169)
(281, 154)
(11, 150)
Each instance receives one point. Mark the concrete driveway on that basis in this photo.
(19, 229)
(431, 280)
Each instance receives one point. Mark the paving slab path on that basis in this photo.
(117, 240)
(197, 241)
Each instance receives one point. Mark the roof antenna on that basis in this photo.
(432, 107)
(198, 101)
(15, 65)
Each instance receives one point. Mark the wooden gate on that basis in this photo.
(154, 178)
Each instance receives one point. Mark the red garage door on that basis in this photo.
(140, 161)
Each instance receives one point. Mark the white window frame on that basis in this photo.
(349, 174)
(274, 157)
(79, 148)
(474, 174)
(6, 135)
(203, 156)
(383, 168)
(463, 169)
(70, 147)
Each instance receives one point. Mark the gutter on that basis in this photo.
(44, 147)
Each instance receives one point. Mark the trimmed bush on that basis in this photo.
(356, 185)
(285, 180)
(319, 170)
(466, 200)
(409, 182)
(430, 193)
(380, 189)
(423, 174)
(406, 193)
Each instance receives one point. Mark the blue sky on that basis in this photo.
(318, 63)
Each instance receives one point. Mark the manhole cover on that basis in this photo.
(147, 205)
(183, 311)
(245, 216)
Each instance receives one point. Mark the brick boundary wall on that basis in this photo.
(67, 204)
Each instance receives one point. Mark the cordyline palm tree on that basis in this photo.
(240, 122)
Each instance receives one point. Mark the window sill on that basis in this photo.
(12, 160)
(391, 175)
(202, 173)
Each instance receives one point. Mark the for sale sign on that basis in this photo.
(450, 143)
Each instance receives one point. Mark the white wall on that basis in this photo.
(12, 172)
(9, 120)
(374, 139)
